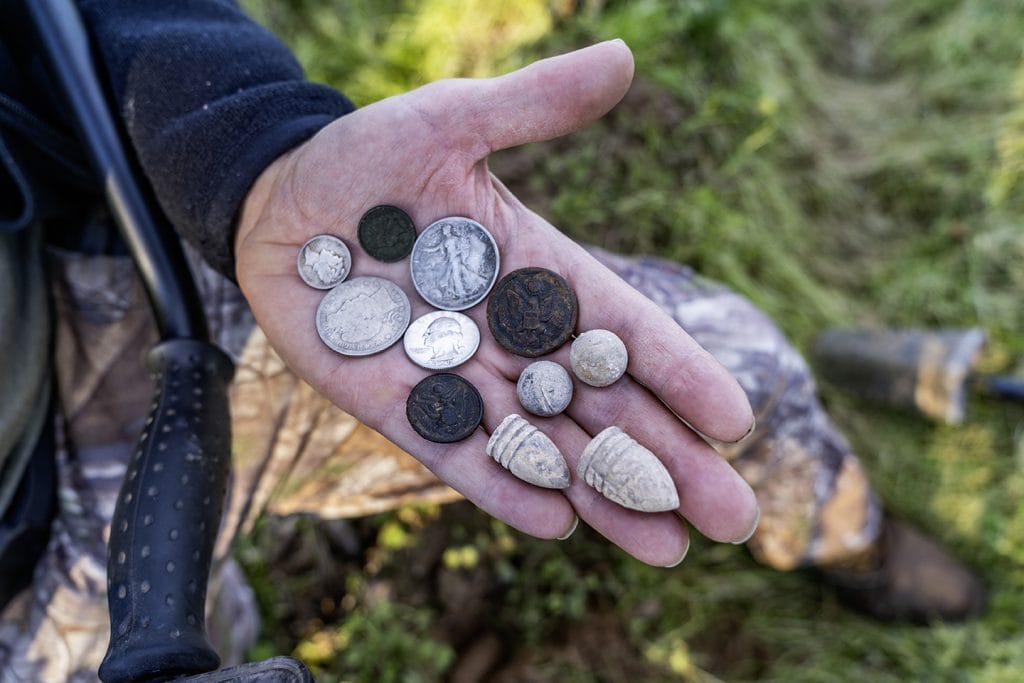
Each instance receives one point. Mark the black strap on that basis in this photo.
(25, 526)
(59, 147)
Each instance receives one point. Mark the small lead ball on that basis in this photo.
(598, 357)
(544, 388)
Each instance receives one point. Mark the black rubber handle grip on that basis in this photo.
(166, 520)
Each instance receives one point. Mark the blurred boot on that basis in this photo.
(908, 577)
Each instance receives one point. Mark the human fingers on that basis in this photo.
(544, 100)
(659, 539)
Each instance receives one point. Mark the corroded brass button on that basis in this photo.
(532, 312)
(444, 408)
(386, 233)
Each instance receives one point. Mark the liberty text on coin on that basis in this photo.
(454, 263)
(324, 262)
(363, 316)
(441, 340)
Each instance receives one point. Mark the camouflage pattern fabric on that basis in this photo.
(296, 452)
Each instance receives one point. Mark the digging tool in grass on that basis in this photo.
(927, 371)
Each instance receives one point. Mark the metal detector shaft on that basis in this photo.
(169, 509)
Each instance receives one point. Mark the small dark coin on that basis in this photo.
(387, 233)
(444, 408)
(532, 312)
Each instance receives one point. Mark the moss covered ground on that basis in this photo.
(840, 163)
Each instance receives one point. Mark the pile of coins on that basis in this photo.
(532, 312)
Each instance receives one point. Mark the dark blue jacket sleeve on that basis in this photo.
(209, 99)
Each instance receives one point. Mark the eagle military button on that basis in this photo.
(386, 233)
(444, 408)
(532, 312)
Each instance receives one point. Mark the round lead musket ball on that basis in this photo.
(444, 408)
(441, 340)
(363, 316)
(598, 357)
(544, 388)
(324, 262)
(532, 312)
(454, 263)
(386, 233)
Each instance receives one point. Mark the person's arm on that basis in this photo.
(209, 99)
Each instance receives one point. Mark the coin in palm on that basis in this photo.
(363, 316)
(454, 263)
(441, 340)
(324, 261)
(386, 233)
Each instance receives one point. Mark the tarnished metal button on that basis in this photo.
(324, 261)
(544, 388)
(386, 233)
(532, 312)
(598, 357)
(444, 408)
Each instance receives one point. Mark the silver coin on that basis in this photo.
(324, 262)
(454, 263)
(440, 340)
(363, 316)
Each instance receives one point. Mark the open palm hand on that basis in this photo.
(426, 151)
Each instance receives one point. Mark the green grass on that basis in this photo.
(837, 162)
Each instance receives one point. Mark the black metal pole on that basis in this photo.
(168, 513)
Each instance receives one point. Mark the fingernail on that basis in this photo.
(753, 528)
(575, 523)
(678, 562)
(753, 426)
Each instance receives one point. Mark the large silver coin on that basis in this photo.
(454, 263)
(324, 261)
(440, 340)
(363, 316)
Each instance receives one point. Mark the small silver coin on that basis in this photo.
(440, 340)
(324, 262)
(454, 263)
(363, 316)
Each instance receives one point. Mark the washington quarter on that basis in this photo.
(363, 316)
(324, 261)
(454, 263)
(440, 340)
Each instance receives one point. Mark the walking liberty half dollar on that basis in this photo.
(363, 316)
(440, 340)
(454, 263)
(532, 312)
(386, 233)
(444, 408)
(324, 261)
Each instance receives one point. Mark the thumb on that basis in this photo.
(548, 98)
